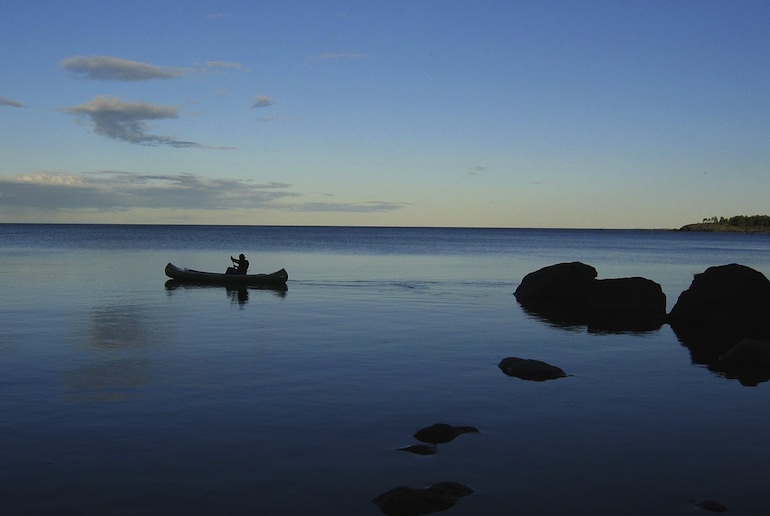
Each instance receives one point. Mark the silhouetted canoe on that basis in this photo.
(193, 276)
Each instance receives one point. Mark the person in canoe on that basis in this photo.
(241, 264)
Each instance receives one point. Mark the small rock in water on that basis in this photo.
(529, 369)
(710, 505)
(442, 433)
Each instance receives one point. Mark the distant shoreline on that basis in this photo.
(710, 227)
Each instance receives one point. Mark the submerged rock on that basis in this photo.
(529, 369)
(409, 501)
(749, 352)
(442, 433)
(710, 505)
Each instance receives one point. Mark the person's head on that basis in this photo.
(242, 256)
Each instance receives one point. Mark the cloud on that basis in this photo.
(339, 56)
(261, 101)
(117, 191)
(115, 69)
(120, 120)
(209, 66)
(9, 102)
(356, 207)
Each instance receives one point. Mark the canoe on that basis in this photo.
(193, 276)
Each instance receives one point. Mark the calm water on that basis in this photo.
(119, 395)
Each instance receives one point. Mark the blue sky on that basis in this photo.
(614, 114)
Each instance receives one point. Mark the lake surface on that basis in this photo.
(120, 395)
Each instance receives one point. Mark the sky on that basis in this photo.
(542, 113)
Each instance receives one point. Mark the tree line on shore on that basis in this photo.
(740, 221)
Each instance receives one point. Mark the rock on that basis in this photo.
(560, 281)
(442, 433)
(626, 304)
(727, 294)
(408, 501)
(528, 369)
(568, 295)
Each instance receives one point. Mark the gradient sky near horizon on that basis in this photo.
(542, 113)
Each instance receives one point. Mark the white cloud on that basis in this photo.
(10, 102)
(116, 69)
(120, 120)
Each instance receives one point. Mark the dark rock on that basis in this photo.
(626, 304)
(528, 369)
(563, 280)
(408, 501)
(442, 433)
(569, 295)
(731, 294)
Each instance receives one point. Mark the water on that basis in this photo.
(122, 396)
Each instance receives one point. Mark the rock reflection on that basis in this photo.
(724, 351)
(410, 501)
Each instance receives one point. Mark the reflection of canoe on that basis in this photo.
(193, 276)
(174, 284)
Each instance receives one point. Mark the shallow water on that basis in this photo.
(122, 396)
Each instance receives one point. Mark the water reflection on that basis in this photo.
(116, 364)
(238, 295)
(707, 345)
(574, 315)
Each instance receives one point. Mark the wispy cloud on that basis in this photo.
(119, 191)
(116, 190)
(356, 207)
(107, 68)
(216, 66)
(261, 101)
(10, 102)
(339, 56)
(126, 121)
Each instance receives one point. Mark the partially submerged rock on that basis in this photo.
(409, 501)
(564, 281)
(442, 433)
(568, 295)
(529, 369)
(626, 304)
(733, 295)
